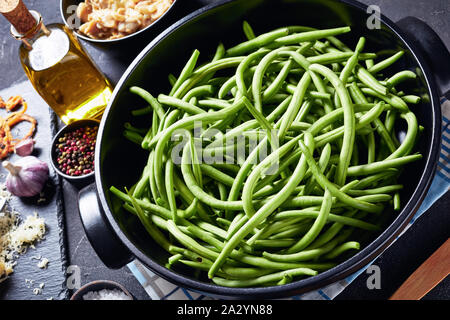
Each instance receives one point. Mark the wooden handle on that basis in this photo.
(427, 276)
(18, 15)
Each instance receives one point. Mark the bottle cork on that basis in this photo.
(18, 15)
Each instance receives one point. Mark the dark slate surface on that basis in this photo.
(53, 246)
(397, 262)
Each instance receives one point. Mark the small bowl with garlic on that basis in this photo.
(73, 150)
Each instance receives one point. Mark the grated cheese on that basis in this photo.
(16, 236)
(43, 263)
(37, 291)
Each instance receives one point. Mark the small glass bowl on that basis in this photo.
(81, 179)
(97, 286)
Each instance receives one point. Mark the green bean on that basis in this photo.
(258, 76)
(170, 190)
(358, 96)
(189, 242)
(194, 160)
(385, 189)
(378, 166)
(271, 228)
(203, 265)
(317, 227)
(385, 63)
(217, 175)
(371, 147)
(151, 132)
(370, 81)
(154, 232)
(310, 36)
(242, 67)
(397, 203)
(226, 87)
(171, 118)
(206, 89)
(261, 120)
(248, 31)
(400, 77)
(336, 57)
(294, 105)
(331, 232)
(351, 63)
(369, 180)
(257, 42)
(271, 243)
(175, 258)
(287, 278)
(172, 79)
(300, 126)
(213, 104)
(186, 123)
(151, 177)
(201, 73)
(389, 98)
(238, 220)
(324, 183)
(291, 232)
(307, 213)
(189, 254)
(186, 72)
(412, 99)
(370, 116)
(302, 255)
(323, 164)
(369, 63)
(199, 192)
(190, 210)
(183, 105)
(129, 126)
(133, 136)
(263, 279)
(211, 228)
(150, 99)
(141, 111)
(143, 182)
(341, 249)
(260, 215)
(220, 52)
(349, 122)
(247, 192)
(276, 84)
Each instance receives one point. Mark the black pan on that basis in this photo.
(118, 237)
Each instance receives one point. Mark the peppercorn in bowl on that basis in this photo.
(72, 151)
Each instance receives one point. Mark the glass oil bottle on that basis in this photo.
(61, 71)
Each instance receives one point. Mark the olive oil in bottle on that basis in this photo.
(58, 67)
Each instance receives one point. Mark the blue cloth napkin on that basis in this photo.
(158, 288)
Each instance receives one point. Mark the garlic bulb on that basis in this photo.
(25, 147)
(27, 176)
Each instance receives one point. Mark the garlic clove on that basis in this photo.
(27, 176)
(25, 147)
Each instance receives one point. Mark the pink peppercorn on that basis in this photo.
(72, 155)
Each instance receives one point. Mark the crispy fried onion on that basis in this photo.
(7, 141)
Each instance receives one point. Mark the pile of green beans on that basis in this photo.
(327, 116)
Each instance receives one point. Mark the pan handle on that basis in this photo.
(104, 241)
(432, 48)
